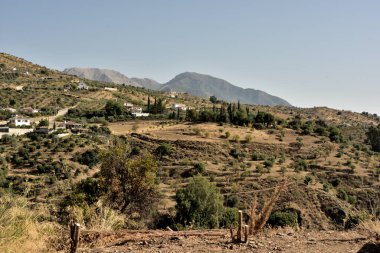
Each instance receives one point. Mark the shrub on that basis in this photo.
(373, 138)
(355, 219)
(235, 153)
(201, 205)
(342, 194)
(199, 168)
(300, 165)
(248, 138)
(257, 156)
(283, 219)
(227, 135)
(307, 180)
(89, 158)
(268, 163)
(260, 168)
(232, 201)
(336, 182)
(163, 149)
(236, 138)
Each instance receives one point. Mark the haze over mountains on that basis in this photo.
(188, 82)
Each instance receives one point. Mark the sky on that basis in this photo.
(309, 52)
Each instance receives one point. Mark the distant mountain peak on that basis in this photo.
(205, 86)
(103, 75)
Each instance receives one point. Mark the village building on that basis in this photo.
(136, 109)
(110, 89)
(179, 106)
(82, 86)
(140, 114)
(29, 110)
(128, 105)
(19, 122)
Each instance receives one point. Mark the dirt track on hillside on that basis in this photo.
(218, 241)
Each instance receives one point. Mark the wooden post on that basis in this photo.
(246, 233)
(232, 234)
(240, 228)
(74, 236)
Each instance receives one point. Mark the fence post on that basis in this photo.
(246, 233)
(74, 236)
(240, 228)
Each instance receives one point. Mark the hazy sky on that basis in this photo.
(309, 52)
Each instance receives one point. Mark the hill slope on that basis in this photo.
(103, 75)
(205, 86)
(147, 83)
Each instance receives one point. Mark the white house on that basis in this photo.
(128, 105)
(173, 94)
(19, 88)
(82, 86)
(110, 89)
(18, 121)
(140, 114)
(136, 109)
(179, 106)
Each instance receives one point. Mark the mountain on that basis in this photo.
(103, 75)
(147, 83)
(188, 82)
(206, 86)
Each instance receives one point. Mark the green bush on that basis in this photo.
(355, 219)
(163, 149)
(200, 168)
(257, 156)
(201, 205)
(283, 219)
(89, 158)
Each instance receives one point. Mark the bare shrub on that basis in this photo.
(258, 220)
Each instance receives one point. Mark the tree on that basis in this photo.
(130, 181)
(89, 158)
(43, 122)
(373, 138)
(213, 99)
(114, 108)
(148, 104)
(335, 134)
(200, 204)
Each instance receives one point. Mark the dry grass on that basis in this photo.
(373, 227)
(99, 217)
(20, 230)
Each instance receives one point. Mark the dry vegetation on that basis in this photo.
(332, 185)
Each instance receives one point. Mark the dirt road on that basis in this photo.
(219, 241)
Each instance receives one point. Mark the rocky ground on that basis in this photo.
(271, 240)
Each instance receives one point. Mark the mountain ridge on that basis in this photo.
(196, 84)
(103, 75)
(206, 85)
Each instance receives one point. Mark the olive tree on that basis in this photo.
(129, 180)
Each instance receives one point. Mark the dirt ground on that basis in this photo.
(271, 240)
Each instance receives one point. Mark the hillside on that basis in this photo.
(206, 86)
(102, 75)
(147, 83)
(241, 150)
